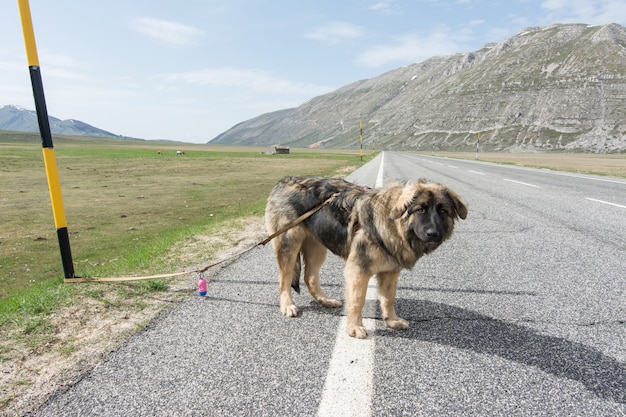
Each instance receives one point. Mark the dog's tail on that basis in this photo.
(295, 277)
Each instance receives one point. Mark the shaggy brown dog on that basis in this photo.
(377, 231)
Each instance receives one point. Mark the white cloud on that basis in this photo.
(13, 66)
(411, 48)
(60, 60)
(384, 7)
(336, 32)
(585, 11)
(248, 80)
(166, 31)
(59, 65)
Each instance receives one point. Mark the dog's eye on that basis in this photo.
(442, 211)
(419, 209)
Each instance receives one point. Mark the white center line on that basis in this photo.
(349, 385)
(522, 183)
(476, 172)
(605, 202)
(379, 177)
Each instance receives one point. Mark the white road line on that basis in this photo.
(606, 202)
(522, 183)
(349, 385)
(379, 176)
(477, 172)
(452, 166)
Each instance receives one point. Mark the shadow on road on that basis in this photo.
(466, 329)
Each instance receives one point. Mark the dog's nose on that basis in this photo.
(433, 235)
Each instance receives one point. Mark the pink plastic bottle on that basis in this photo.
(202, 286)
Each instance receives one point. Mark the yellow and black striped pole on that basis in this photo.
(46, 139)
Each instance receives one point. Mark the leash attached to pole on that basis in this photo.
(204, 269)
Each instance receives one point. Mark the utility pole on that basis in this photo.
(361, 137)
(477, 144)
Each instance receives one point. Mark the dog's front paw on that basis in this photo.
(358, 332)
(397, 323)
(289, 310)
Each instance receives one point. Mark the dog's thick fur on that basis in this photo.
(377, 231)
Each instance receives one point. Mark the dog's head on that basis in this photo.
(427, 211)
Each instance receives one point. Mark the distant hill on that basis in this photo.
(23, 120)
(557, 87)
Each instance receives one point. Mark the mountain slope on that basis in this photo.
(24, 120)
(555, 87)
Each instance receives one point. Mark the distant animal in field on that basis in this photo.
(376, 231)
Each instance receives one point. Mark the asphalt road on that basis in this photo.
(521, 313)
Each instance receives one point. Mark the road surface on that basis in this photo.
(521, 313)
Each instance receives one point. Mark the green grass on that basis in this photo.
(126, 206)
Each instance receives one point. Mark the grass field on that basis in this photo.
(125, 204)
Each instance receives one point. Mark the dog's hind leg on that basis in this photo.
(387, 286)
(314, 254)
(287, 249)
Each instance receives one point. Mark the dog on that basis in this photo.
(376, 231)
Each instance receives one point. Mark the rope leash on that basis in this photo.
(200, 271)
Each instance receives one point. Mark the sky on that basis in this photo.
(189, 70)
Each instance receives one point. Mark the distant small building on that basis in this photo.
(281, 149)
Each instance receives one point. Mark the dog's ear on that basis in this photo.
(459, 206)
(405, 200)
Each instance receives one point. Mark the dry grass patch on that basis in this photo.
(599, 164)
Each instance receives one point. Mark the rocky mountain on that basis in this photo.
(554, 87)
(23, 120)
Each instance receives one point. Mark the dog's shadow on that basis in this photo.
(466, 329)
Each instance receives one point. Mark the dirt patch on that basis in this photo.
(90, 329)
